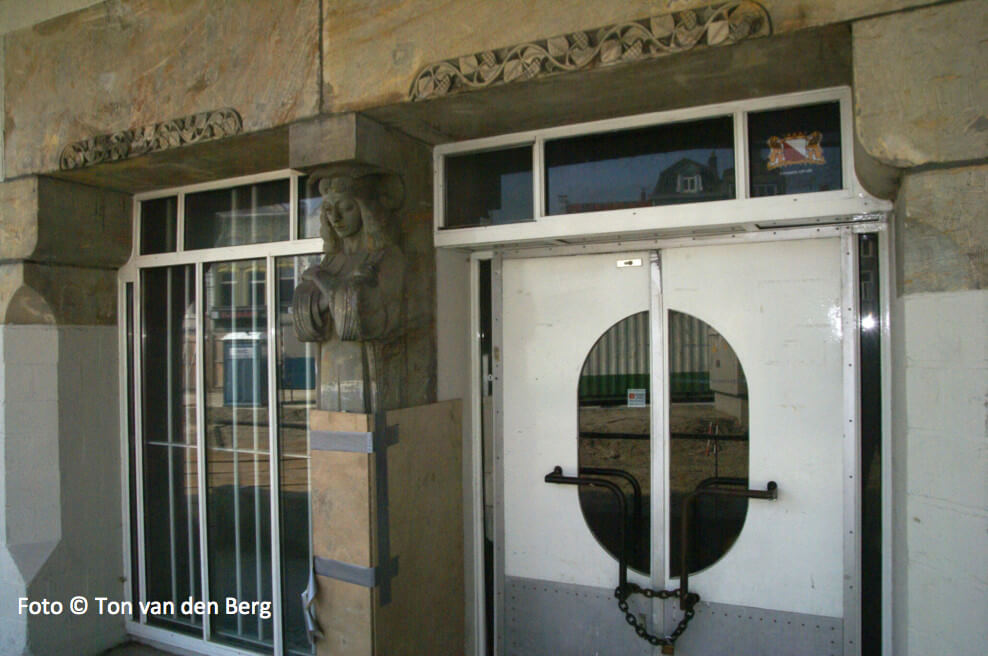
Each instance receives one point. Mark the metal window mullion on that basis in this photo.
(170, 432)
(235, 441)
(497, 337)
(477, 384)
(125, 459)
(851, 445)
(658, 377)
(185, 418)
(255, 385)
(741, 182)
(180, 222)
(139, 439)
(886, 290)
(200, 286)
(294, 213)
(538, 178)
(274, 450)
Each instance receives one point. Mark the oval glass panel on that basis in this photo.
(615, 438)
(708, 430)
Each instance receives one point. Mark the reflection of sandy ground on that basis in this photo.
(237, 447)
(692, 459)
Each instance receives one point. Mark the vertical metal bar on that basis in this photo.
(497, 343)
(538, 179)
(186, 451)
(170, 428)
(852, 446)
(274, 450)
(200, 282)
(476, 386)
(255, 384)
(741, 154)
(125, 437)
(235, 407)
(886, 261)
(138, 347)
(658, 377)
(180, 222)
(294, 216)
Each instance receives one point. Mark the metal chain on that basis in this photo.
(622, 597)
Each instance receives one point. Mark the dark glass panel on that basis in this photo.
(794, 150)
(297, 396)
(615, 435)
(708, 430)
(171, 493)
(248, 214)
(689, 162)
(159, 225)
(237, 443)
(489, 188)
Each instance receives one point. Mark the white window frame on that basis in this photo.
(741, 214)
(130, 274)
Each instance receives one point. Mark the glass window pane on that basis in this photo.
(615, 437)
(297, 396)
(688, 162)
(237, 443)
(795, 150)
(171, 493)
(309, 206)
(248, 214)
(489, 188)
(708, 427)
(159, 225)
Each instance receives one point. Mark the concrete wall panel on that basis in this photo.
(130, 63)
(942, 442)
(921, 84)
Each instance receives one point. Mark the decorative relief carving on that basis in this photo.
(678, 31)
(203, 126)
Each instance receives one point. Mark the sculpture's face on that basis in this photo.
(343, 213)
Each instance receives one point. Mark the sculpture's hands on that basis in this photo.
(324, 281)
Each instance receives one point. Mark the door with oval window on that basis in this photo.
(668, 412)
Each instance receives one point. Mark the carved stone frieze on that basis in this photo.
(714, 25)
(183, 131)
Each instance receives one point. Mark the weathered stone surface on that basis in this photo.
(810, 59)
(18, 218)
(943, 230)
(127, 63)
(921, 84)
(372, 50)
(82, 225)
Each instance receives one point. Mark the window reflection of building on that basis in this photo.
(689, 181)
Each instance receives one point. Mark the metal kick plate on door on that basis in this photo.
(633, 262)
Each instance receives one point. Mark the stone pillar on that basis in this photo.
(60, 467)
(921, 99)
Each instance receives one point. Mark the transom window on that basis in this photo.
(635, 177)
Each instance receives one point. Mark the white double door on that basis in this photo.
(778, 304)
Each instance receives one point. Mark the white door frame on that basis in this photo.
(852, 520)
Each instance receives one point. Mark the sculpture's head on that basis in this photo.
(358, 202)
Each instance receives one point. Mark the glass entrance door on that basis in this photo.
(689, 371)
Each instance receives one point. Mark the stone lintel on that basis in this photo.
(244, 154)
(60, 246)
(798, 61)
(348, 137)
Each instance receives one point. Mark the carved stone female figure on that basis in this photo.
(351, 302)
